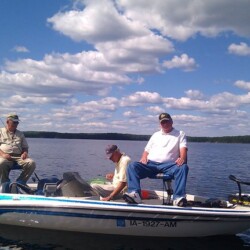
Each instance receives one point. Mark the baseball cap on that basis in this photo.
(13, 117)
(110, 149)
(164, 116)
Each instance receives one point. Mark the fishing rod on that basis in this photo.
(19, 148)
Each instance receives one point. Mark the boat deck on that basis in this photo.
(157, 197)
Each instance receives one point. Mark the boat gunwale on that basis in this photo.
(61, 203)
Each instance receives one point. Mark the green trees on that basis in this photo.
(131, 137)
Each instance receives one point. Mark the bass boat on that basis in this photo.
(71, 205)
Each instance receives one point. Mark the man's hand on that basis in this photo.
(7, 156)
(183, 157)
(108, 198)
(144, 158)
(24, 155)
(116, 191)
(179, 161)
(109, 176)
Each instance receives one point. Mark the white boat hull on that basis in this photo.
(93, 216)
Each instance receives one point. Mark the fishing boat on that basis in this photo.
(70, 205)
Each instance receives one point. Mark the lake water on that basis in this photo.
(210, 164)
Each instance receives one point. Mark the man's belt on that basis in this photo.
(15, 155)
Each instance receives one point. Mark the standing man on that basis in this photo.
(14, 150)
(118, 178)
(165, 152)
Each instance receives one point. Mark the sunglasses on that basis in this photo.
(16, 123)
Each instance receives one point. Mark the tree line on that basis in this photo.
(131, 137)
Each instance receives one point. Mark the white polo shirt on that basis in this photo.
(165, 147)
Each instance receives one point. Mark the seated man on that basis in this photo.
(14, 150)
(165, 152)
(119, 181)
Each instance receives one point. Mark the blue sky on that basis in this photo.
(101, 66)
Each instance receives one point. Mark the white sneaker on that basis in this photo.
(132, 198)
(180, 202)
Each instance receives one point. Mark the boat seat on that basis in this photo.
(167, 187)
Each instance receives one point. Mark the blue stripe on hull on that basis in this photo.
(88, 213)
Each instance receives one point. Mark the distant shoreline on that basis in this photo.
(130, 137)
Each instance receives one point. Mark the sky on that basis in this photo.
(102, 66)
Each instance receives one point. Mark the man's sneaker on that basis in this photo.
(132, 198)
(180, 202)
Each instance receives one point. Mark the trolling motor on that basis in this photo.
(240, 198)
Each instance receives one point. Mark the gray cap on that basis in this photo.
(110, 149)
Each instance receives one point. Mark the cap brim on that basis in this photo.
(109, 155)
(165, 119)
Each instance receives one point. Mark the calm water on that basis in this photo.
(210, 165)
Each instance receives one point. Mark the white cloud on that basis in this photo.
(20, 49)
(155, 109)
(17, 100)
(96, 23)
(243, 85)
(137, 54)
(139, 98)
(108, 104)
(96, 124)
(123, 43)
(241, 49)
(194, 94)
(221, 103)
(131, 114)
(185, 103)
(184, 62)
(181, 20)
(80, 116)
(83, 72)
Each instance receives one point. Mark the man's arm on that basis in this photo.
(116, 191)
(5, 156)
(183, 156)
(144, 157)
(24, 147)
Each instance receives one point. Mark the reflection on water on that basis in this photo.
(210, 165)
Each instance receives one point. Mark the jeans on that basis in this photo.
(138, 170)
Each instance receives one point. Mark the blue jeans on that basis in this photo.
(138, 170)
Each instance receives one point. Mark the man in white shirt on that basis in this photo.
(165, 152)
(14, 150)
(118, 179)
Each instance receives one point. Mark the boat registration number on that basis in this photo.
(152, 223)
